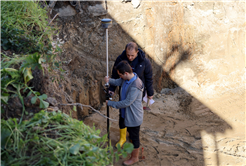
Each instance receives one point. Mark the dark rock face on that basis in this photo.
(84, 54)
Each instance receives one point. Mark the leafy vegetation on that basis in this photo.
(54, 138)
(49, 138)
(25, 29)
(16, 40)
(25, 17)
(25, 32)
(14, 81)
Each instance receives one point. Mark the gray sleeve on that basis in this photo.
(115, 82)
(130, 98)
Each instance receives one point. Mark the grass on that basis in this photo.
(54, 138)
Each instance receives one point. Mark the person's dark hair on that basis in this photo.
(131, 46)
(123, 67)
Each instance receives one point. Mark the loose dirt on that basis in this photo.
(171, 132)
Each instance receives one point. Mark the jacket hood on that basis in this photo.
(138, 84)
(141, 55)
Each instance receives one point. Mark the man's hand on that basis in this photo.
(111, 92)
(106, 79)
(106, 102)
(150, 97)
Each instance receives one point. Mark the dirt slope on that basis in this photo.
(171, 131)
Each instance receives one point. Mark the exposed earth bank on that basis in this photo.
(179, 130)
(171, 133)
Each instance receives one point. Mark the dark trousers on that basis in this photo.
(121, 122)
(133, 132)
(134, 136)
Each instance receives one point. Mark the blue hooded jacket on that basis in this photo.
(143, 69)
(132, 103)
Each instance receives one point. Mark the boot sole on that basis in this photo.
(130, 164)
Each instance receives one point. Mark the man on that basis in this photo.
(130, 104)
(142, 67)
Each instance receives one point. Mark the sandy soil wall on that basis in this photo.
(198, 46)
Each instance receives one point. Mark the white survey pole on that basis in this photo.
(107, 51)
(106, 23)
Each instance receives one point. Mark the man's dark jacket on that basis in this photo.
(143, 70)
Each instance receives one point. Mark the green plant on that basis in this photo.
(54, 138)
(16, 40)
(7, 62)
(25, 29)
(43, 104)
(27, 16)
(13, 81)
(11, 77)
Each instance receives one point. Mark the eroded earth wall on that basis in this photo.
(199, 46)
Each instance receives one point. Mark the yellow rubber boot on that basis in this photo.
(122, 137)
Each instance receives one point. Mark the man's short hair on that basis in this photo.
(123, 67)
(131, 46)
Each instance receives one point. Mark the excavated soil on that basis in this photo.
(171, 132)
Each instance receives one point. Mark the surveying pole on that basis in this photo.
(106, 22)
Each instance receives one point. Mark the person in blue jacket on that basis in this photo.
(142, 67)
(130, 104)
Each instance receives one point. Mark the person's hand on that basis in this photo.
(111, 92)
(106, 102)
(150, 97)
(106, 79)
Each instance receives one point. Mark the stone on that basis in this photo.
(67, 11)
(97, 10)
(158, 95)
(165, 91)
(136, 3)
(52, 101)
(52, 109)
